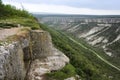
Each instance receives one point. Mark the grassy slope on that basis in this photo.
(22, 21)
(11, 17)
(85, 62)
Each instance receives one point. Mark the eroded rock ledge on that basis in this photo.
(30, 57)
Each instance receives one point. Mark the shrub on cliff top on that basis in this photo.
(11, 11)
(66, 72)
(10, 16)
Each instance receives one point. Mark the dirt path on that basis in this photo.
(4, 33)
(107, 62)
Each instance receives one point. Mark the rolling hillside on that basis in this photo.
(102, 32)
(92, 44)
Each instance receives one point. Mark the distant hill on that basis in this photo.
(90, 35)
(98, 31)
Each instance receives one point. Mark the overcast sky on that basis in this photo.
(92, 7)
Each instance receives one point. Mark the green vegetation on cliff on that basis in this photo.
(11, 11)
(66, 72)
(11, 17)
(86, 64)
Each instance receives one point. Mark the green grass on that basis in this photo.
(66, 72)
(10, 16)
(13, 22)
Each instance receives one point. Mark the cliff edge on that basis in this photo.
(28, 54)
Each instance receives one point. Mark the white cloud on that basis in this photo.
(63, 9)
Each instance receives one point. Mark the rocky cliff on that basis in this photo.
(29, 55)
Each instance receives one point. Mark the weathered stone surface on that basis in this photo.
(12, 65)
(11, 62)
(30, 57)
(71, 78)
(51, 63)
(46, 57)
(41, 44)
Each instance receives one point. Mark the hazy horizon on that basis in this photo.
(86, 7)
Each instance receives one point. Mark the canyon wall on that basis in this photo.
(30, 57)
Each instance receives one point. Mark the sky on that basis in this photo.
(87, 7)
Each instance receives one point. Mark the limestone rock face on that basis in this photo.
(11, 62)
(46, 57)
(71, 78)
(51, 63)
(30, 57)
(41, 44)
